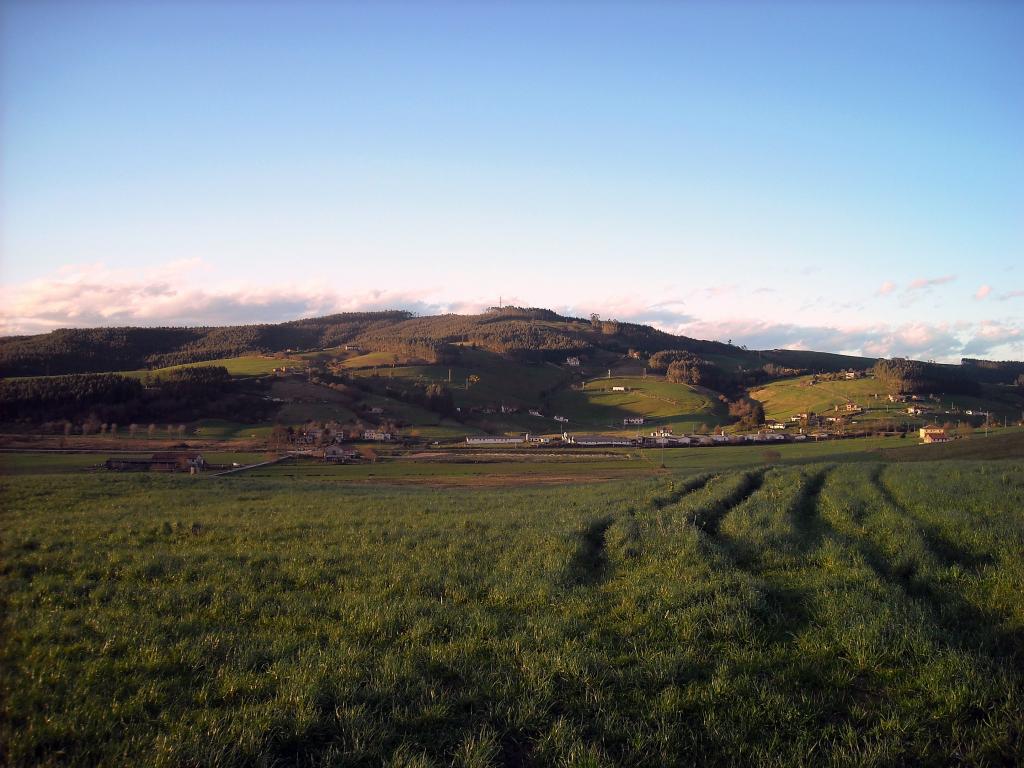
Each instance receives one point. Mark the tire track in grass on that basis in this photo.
(946, 550)
(709, 517)
(912, 570)
(589, 564)
(810, 526)
(675, 495)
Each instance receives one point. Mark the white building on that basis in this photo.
(596, 440)
(495, 440)
(635, 421)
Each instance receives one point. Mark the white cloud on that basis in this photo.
(886, 288)
(928, 282)
(175, 294)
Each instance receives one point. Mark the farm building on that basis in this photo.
(934, 434)
(668, 440)
(127, 464)
(495, 440)
(596, 440)
(377, 434)
(177, 462)
(336, 454)
(573, 362)
(635, 421)
(188, 461)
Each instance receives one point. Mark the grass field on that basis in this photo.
(246, 365)
(820, 614)
(787, 397)
(661, 403)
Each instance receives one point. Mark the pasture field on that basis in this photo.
(828, 613)
(787, 397)
(245, 365)
(660, 402)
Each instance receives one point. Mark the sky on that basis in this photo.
(843, 176)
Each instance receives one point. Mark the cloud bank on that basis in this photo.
(176, 294)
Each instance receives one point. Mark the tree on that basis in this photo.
(279, 436)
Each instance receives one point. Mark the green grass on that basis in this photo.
(818, 614)
(245, 365)
(220, 429)
(788, 397)
(661, 403)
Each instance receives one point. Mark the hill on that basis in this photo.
(504, 370)
(537, 335)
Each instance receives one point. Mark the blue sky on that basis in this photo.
(844, 176)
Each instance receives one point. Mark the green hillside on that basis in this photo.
(662, 404)
(787, 397)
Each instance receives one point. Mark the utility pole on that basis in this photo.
(449, 375)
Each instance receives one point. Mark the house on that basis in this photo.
(572, 362)
(805, 416)
(851, 375)
(376, 410)
(633, 421)
(377, 434)
(897, 398)
(336, 454)
(620, 389)
(310, 436)
(509, 408)
(662, 432)
(853, 407)
(561, 419)
(495, 440)
(775, 425)
(933, 434)
(915, 411)
(538, 414)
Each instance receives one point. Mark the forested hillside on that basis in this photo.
(533, 334)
